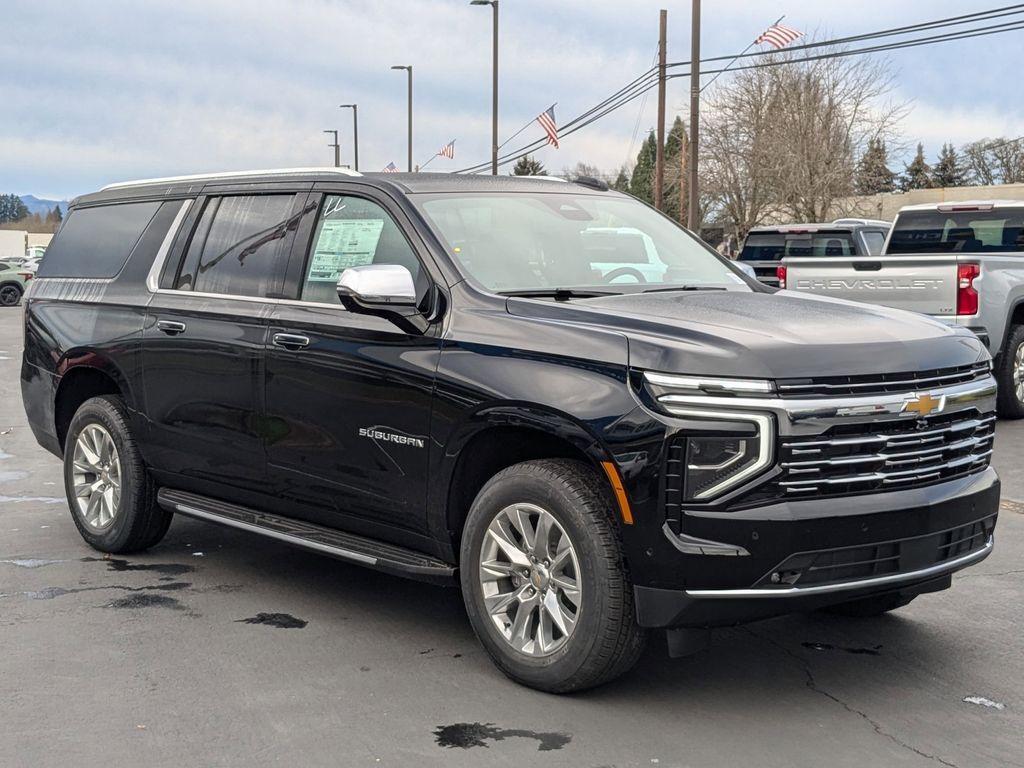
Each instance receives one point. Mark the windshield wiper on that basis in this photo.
(560, 294)
(685, 288)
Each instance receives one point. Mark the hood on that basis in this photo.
(765, 335)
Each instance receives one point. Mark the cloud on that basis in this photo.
(114, 89)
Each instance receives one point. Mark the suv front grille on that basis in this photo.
(830, 566)
(876, 456)
(881, 383)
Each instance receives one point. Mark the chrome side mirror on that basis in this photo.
(746, 269)
(383, 290)
(374, 285)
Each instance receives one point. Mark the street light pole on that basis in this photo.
(494, 83)
(337, 148)
(408, 68)
(355, 133)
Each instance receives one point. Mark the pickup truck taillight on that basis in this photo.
(780, 272)
(966, 293)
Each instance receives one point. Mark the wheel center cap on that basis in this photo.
(539, 577)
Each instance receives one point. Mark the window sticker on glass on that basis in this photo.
(343, 243)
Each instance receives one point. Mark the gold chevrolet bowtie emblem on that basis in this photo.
(923, 405)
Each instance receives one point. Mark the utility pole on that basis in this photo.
(337, 148)
(683, 151)
(355, 133)
(408, 68)
(659, 157)
(693, 218)
(494, 82)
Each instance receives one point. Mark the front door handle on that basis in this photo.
(291, 341)
(170, 327)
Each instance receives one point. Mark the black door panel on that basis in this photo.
(348, 414)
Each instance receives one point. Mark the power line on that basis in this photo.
(647, 80)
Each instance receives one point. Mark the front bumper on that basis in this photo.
(807, 554)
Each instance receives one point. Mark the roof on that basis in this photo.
(403, 182)
(949, 204)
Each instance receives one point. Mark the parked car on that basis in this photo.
(961, 263)
(430, 375)
(13, 283)
(765, 247)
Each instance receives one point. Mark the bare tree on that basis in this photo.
(994, 161)
(787, 138)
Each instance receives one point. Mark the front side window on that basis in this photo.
(240, 246)
(874, 242)
(511, 242)
(353, 232)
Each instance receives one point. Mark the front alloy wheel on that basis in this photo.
(9, 296)
(529, 577)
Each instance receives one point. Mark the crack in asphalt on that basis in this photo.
(813, 686)
(973, 575)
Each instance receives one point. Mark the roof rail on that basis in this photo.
(233, 174)
(590, 181)
(541, 177)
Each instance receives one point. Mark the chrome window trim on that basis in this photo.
(821, 589)
(765, 448)
(153, 278)
(260, 299)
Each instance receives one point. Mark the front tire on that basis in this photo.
(110, 493)
(1009, 372)
(545, 584)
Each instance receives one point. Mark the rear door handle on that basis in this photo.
(291, 341)
(867, 266)
(170, 327)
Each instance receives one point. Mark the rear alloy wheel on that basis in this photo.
(543, 577)
(111, 495)
(1009, 372)
(10, 295)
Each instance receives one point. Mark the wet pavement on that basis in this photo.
(218, 648)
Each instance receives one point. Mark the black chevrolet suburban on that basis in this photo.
(451, 378)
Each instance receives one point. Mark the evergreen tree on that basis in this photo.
(621, 183)
(12, 208)
(948, 170)
(873, 174)
(675, 144)
(528, 166)
(918, 174)
(641, 185)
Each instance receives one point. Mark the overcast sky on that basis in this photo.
(103, 90)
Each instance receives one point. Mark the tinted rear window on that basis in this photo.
(240, 246)
(773, 246)
(958, 231)
(96, 242)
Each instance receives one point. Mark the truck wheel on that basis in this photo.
(1009, 373)
(869, 606)
(111, 495)
(10, 295)
(545, 585)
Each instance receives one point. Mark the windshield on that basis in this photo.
(773, 246)
(960, 231)
(511, 242)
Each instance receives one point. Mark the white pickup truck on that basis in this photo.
(962, 263)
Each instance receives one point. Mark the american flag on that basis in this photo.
(448, 150)
(779, 36)
(547, 122)
(390, 168)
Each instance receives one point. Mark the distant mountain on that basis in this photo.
(43, 207)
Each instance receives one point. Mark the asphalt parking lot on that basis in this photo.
(220, 648)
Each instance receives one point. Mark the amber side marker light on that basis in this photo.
(620, 492)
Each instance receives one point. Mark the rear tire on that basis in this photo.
(603, 639)
(869, 606)
(1009, 373)
(110, 493)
